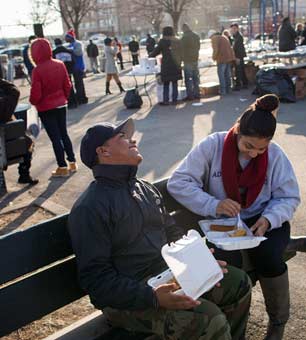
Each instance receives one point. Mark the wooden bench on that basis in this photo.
(12, 147)
(39, 275)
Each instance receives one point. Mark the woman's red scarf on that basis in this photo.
(251, 179)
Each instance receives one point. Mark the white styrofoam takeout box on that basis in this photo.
(223, 241)
(191, 263)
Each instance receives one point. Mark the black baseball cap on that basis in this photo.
(98, 135)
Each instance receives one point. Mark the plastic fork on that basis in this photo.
(239, 223)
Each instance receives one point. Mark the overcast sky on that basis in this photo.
(14, 12)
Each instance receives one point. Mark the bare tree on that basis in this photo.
(73, 11)
(152, 11)
(174, 8)
(41, 13)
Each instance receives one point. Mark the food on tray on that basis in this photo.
(217, 227)
(238, 233)
(173, 280)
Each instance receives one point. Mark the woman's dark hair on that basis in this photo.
(107, 41)
(168, 31)
(258, 120)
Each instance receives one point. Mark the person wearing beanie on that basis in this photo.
(118, 227)
(50, 90)
(79, 66)
(66, 56)
(241, 171)
(224, 56)
(171, 71)
(111, 70)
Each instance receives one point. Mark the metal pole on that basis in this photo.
(294, 12)
(262, 19)
(3, 189)
(250, 25)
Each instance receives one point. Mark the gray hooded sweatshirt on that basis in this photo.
(197, 183)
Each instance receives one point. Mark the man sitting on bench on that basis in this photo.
(9, 95)
(118, 227)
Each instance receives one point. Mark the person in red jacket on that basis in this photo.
(49, 93)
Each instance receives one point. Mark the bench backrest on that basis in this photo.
(12, 142)
(38, 269)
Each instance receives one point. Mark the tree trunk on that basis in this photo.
(76, 29)
(176, 18)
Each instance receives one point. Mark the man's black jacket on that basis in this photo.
(190, 47)
(118, 227)
(238, 46)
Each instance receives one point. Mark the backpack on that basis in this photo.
(132, 99)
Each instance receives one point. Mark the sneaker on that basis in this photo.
(27, 180)
(164, 103)
(73, 167)
(61, 172)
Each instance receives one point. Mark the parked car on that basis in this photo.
(12, 52)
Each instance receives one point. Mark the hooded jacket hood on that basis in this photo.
(41, 50)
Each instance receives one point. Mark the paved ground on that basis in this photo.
(165, 135)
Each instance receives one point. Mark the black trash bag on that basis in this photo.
(132, 99)
(276, 82)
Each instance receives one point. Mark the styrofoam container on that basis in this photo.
(223, 240)
(191, 263)
(163, 278)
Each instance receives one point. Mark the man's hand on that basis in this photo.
(237, 61)
(260, 227)
(168, 300)
(228, 207)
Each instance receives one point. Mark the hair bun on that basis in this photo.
(268, 102)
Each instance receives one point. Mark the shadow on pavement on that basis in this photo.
(52, 187)
(293, 114)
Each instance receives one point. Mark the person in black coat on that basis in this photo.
(9, 95)
(303, 40)
(150, 44)
(286, 36)
(66, 56)
(240, 54)
(134, 50)
(92, 53)
(170, 48)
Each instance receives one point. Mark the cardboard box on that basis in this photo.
(300, 94)
(299, 84)
(301, 73)
(210, 89)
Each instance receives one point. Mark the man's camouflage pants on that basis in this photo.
(222, 315)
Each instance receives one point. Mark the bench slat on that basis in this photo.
(13, 129)
(170, 202)
(38, 295)
(24, 251)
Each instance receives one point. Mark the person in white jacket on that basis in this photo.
(111, 69)
(242, 171)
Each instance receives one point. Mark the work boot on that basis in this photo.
(107, 91)
(61, 172)
(27, 180)
(276, 293)
(120, 87)
(73, 167)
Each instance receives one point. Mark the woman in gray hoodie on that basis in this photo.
(242, 171)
